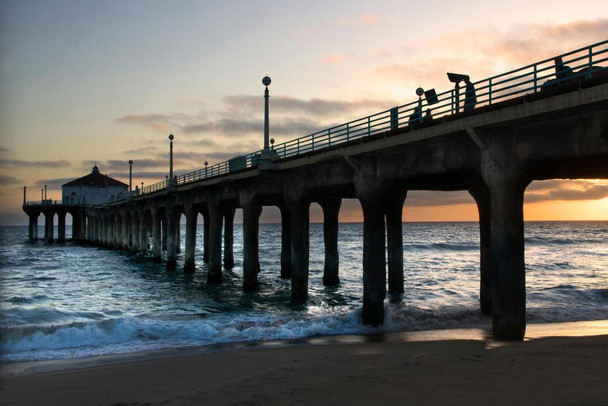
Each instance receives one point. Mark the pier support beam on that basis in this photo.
(135, 232)
(124, 226)
(170, 221)
(61, 226)
(191, 218)
(143, 234)
(285, 242)
(205, 214)
(507, 260)
(394, 237)
(178, 232)
(251, 257)
(49, 226)
(163, 218)
(481, 194)
(33, 227)
(506, 183)
(299, 211)
(156, 236)
(374, 266)
(331, 210)
(214, 274)
(229, 237)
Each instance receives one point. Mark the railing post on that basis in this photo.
(329, 137)
(535, 76)
(347, 132)
(452, 102)
(490, 91)
(313, 143)
(369, 125)
(298, 147)
(590, 73)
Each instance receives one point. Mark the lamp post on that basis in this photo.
(266, 151)
(206, 163)
(24, 197)
(44, 192)
(171, 137)
(419, 93)
(41, 196)
(130, 175)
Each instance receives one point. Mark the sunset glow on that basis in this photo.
(103, 82)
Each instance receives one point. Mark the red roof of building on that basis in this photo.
(96, 179)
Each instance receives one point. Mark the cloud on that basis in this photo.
(363, 19)
(480, 51)
(62, 163)
(157, 122)
(4, 150)
(8, 180)
(566, 190)
(334, 59)
(53, 183)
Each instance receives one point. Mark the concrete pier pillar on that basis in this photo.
(481, 194)
(89, 228)
(189, 255)
(143, 234)
(33, 226)
(170, 221)
(61, 226)
(75, 226)
(285, 242)
(205, 214)
(508, 285)
(374, 266)
(251, 258)
(229, 237)
(163, 217)
(299, 211)
(118, 234)
(124, 223)
(49, 226)
(108, 224)
(214, 274)
(156, 236)
(331, 210)
(178, 232)
(394, 238)
(135, 234)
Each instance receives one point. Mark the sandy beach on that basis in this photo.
(441, 367)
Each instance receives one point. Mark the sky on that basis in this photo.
(102, 82)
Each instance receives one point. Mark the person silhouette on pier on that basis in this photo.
(416, 116)
(561, 71)
(470, 98)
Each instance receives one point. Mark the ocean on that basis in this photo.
(66, 301)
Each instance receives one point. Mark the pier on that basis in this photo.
(532, 123)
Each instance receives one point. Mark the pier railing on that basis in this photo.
(537, 77)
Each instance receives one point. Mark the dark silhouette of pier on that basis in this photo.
(525, 125)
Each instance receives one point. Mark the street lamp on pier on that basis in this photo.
(206, 163)
(266, 155)
(171, 137)
(130, 175)
(44, 192)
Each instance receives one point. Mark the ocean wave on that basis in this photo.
(442, 247)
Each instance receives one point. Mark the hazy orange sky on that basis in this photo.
(85, 82)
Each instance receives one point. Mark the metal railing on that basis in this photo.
(534, 78)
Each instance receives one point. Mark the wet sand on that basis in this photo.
(564, 363)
